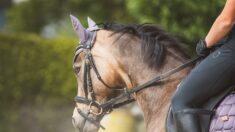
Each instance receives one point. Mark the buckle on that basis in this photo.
(97, 105)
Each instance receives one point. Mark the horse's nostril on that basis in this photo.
(74, 122)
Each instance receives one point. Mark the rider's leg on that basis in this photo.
(209, 78)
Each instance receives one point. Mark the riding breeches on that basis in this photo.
(213, 75)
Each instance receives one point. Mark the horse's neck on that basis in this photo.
(154, 103)
(155, 100)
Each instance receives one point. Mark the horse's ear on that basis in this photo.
(78, 28)
(92, 25)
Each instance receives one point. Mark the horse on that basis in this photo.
(115, 62)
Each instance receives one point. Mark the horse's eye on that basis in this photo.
(77, 70)
(76, 67)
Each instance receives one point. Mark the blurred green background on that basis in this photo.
(37, 42)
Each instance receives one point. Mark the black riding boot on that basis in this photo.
(187, 122)
(170, 122)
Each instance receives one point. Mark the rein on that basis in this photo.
(124, 98)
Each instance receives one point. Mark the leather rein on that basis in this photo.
(124, 98)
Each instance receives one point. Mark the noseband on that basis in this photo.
(123, 99)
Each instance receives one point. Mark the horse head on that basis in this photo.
(99, 75)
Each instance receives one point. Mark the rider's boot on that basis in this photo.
(186, 122)
(170, 122)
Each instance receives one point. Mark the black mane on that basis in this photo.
(154, 41)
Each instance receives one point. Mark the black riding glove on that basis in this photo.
(201, 48)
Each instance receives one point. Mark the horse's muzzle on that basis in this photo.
(82, 124)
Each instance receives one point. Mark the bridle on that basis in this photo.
(124, 98)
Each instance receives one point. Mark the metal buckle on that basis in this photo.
(97, 105)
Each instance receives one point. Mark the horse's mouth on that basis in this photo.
(87, 127)
(82, 124)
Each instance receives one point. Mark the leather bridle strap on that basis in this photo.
(112, 103)
(89, 119)
(145, 85)
(165, 75)
(85, 76)
(91, 60)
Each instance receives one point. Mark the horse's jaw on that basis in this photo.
(82, 124)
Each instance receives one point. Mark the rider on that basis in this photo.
(213, 75)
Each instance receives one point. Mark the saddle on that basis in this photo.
(206, 112)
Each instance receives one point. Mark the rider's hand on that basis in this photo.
(201, 48)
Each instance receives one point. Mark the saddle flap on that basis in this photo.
(211, 105)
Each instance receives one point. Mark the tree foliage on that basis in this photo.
(34, 70)
(31, 16)
(37, 83)
(189, 19)
(5, 4)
